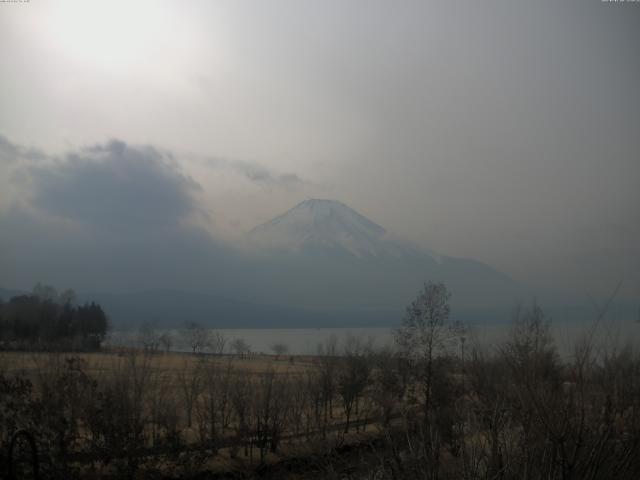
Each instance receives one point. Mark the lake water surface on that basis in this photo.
(305, 341)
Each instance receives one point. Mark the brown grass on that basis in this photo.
(27, 363)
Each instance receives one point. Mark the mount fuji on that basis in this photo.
(332, 226)
(322, 254)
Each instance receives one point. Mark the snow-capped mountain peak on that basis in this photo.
(329, 224)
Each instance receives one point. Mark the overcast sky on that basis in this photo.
(505, 131)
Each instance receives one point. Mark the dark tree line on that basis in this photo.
(47, 320)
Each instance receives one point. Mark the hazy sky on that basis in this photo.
(506, 131)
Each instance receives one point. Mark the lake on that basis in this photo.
(305, 341)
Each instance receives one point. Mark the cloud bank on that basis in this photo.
(108, 216)
(115, 186)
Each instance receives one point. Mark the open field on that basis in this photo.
(221, 412)
(29, 363)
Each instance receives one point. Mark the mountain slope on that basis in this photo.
(322, 253)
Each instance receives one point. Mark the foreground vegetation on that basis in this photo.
(436, 406)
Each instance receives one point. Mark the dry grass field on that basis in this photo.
(224, 412)
(29, 363)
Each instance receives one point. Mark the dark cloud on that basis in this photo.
(107, 217)
(12, 153)
(36, 247)
(114, 185)
(259, 174)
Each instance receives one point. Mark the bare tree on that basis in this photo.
(190, 381)
(388, 385)
(217, 342)
(241, 394)
(300, 402)
(279, 349)
(166, 340)
(119, 419)
(241, 347)
(149, 338)
(425, 333)
(353, 376)
(196, 337)
(313, 387)
(214, 405)
(327, 367)
(270, 408)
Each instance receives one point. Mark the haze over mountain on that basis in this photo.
(321, 263)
